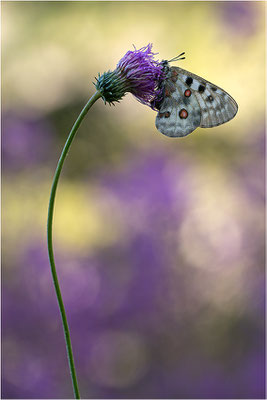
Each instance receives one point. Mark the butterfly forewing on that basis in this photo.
(190, 101)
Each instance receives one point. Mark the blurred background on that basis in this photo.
(159, 242)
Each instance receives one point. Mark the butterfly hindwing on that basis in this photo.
(173, 117)
(190, 101)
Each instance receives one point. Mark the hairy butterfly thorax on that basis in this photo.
(187, 101)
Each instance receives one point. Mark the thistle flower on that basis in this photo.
(137, 73)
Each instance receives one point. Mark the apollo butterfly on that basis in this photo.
(189, 102)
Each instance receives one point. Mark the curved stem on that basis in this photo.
(50, 242)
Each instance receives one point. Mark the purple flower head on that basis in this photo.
(138, 73)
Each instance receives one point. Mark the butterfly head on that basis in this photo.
(165, 67)
(165, 63)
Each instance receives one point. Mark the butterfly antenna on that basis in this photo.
(178, 57)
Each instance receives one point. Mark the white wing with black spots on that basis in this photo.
(190, 102)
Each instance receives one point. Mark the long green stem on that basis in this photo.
(50, 241)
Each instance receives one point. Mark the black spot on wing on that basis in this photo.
(189, 81)
(201, 88)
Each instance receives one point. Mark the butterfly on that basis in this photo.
(190, 101)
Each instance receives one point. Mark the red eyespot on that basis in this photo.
(183, 114)
(187, 93)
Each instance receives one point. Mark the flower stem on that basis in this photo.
(50, 241)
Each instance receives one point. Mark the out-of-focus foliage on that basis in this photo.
(159, 242)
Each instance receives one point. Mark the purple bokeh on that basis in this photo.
(127, 289)
(26, 142)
